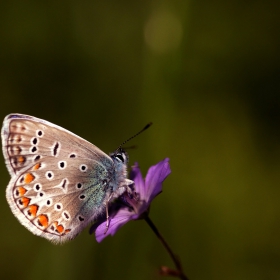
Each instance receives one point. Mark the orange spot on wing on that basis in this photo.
(67, 230)
(60, 228)
(28, 178)
(21, 159)
(25, 201)
(21, 191)
(37, 166)
(43, 220)
(33, 209)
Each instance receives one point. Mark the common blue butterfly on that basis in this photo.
(60, 182)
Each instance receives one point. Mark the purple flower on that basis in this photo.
(146, 190)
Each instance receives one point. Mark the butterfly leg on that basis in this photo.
(118, 192)
(107, 212)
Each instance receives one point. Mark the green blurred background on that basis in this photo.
(207, 74)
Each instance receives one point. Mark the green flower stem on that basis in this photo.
(167, 271)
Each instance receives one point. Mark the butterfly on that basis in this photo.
(59, 182)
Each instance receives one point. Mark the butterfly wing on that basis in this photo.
(58, 182)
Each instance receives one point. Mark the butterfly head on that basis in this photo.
(120, 157)
(120, 184)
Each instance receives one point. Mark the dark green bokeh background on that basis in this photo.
(207, 74)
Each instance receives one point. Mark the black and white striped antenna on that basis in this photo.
(146, 127)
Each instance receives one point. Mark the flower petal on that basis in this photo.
(121, 218)
(154, 179)
(136, 176)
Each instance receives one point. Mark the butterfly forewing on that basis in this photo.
(57, 184)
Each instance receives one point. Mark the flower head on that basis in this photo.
(135, 206)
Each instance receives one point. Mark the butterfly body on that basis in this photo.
(60, 182)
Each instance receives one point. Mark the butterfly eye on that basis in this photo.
(119, 157)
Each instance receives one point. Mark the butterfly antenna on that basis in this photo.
(146, 127)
